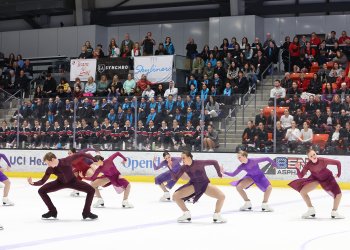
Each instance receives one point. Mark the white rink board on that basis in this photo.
(140, 163)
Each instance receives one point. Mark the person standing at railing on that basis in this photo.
(169, 46)
(127, 42)
(148, 43)
(294, 51)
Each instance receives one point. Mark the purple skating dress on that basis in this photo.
(3, 177)
(198, 177)
(253, 172)
(319, 173)
(110, 171)
(167, 176)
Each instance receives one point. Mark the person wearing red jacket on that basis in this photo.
(294, 51)
(343, 37)
(315, 40)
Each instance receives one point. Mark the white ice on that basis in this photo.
(152, 224)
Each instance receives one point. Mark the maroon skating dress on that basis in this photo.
(319, 173)
(198, 177)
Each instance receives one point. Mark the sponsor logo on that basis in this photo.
(101, 68)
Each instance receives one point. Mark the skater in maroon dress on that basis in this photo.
(62, 168)
(320, 174)
(198, 185)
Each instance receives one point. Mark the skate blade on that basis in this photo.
(100, 206)
(313, 216)
(89, 219)
(266, 210)
(52, 218)
(337, 218)
(219, 221)
(184, 221)
(246, 210)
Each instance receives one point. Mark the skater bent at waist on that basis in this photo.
(62, 168)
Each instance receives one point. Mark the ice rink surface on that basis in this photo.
(152, 224)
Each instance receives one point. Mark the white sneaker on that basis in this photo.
(247, 206)
(186, 217)
(211, 150)
(99, 203)
(205, 150)
(310, 213)
(74, 193)
(165, 197)
(6, 202)
(336, 215)
(126, 204)
(265, 208)
(218, 219)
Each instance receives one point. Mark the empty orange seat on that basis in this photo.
(314, 67)
(267, 111)
(308, 76)
(320, 139)
(279, 111)
(269, 136)
(330, 65)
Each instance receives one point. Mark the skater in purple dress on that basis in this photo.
(3, 178)
(320, 175)
(198, 185)
(165, 180)
(254, 176)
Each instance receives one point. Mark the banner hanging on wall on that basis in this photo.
(113, 66)
(158, 69)
(82, 68)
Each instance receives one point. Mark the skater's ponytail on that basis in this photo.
(187, 153)
(99, 158)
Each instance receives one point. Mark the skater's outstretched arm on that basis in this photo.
(161, 164)
(48, 172)
(236, 172)
(2, 156)
(115, 155)
(303, 172)
(212, 163)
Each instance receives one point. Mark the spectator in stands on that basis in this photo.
(197, 65)
(159, 90)
(241, 84)
(331, 121)
(209, 71)
(335, 72)
(148, 92)
(343, 91)
(113, 49)
(268, 40)
(286, 82)
(23, 82)
(84, 53)
(256, 43)
(315, 86)
(136, 50)
(262, 141)
(191, 48)
(100, 50)
(323, 72)
(148, 42)
(63, 84)
(90, 87)
(271, 52)
(79, 83)
(192, 81)
(343, 78)
(299, 118)
(285, 54)
(279, 93)
(306, 136)
(102, 85)
(286, 119)
(315, 40)
(171, 90)
(336, 105)
(49, 87)
(335, 140)
(260, 63)
(345, 137)
(318, 122)
(211, 139)
(212, 109)
(331, 39)
(294, 51)
(169, 46)
(143, 82)
(292, 136)
(78, 93)
(248, 52)
(248, 136)
(232, 72)
(341, 59)
(10, 60)
(344, 38)
(294, 104)
(205, 52)
(89, 48)
(28, 69)
(321, 57)
(118, 85)
(129, 85)
(126, 43)
(343, 118)
(38, 92)
(294, 90)
(260, 118)
(161, 50)
(328, 93)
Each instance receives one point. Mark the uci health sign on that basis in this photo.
(158, 69)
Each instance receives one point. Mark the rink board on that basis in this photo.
(139, 165)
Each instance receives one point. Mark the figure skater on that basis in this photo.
(111, 176)
(198, 185)
(62, 168)
(4, 179)
(254, 176)
(173, 164)
(319, 175)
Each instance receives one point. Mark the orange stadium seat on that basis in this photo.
(320, 139)
(279, 111)
(295, 76)
(314, 67)
(330, 65)
(309, 75)
(269, 136)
